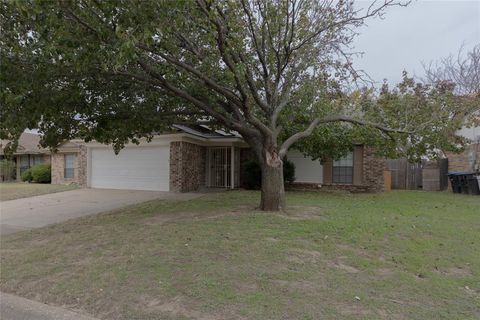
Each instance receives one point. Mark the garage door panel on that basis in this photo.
(306, 169)
(139, 168)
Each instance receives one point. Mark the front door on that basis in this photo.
(219, 166)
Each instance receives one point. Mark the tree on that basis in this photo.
(462, 69)
(462, 72)
(435, 110)
(114, 71)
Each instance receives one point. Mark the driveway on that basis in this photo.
(27, 213)
(17, 308)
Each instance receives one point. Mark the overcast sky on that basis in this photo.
(423, 31)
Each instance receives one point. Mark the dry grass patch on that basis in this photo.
(17, 190)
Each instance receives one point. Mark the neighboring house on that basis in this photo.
(28, 153)
(194, 157)
(469, 159)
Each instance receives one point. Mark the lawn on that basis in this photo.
(399, 255)
(17, 190)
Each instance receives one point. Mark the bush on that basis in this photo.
(288, 171)
(253, 174)
(7, 170)
(27, 175)
(41, 173)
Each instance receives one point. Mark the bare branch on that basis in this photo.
(463, 70)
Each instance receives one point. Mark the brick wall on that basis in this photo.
(47, 158)
(373, 168)
(80, 165)
(465, 161)
(187, 166)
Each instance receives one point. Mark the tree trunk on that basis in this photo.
(273, 191)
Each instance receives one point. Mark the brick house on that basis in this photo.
(28, 153)
(469, 159)
(195, 157)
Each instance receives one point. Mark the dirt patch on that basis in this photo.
(361, 252)
(353, 309)
(339, 263)
(163, 218)
(246, 287)
(457, 272)
(304, 255)
(388, 315)
(383, 272)
(472, 291)
(179, 306)
(295, 260)
(296, 285)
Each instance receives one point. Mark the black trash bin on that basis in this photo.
(455, 182)
(464, 183)
(472, 184)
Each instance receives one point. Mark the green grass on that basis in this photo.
(405, 255)
(17, 190)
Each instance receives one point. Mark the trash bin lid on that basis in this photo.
(460, 173)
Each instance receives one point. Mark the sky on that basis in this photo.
(423, 31)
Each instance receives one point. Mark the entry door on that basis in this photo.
(219, 159)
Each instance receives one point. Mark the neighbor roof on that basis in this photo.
(29, 143)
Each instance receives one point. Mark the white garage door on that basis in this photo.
(306, 169)
(137, 168)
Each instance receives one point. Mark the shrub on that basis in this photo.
(27, 175)
(253, 174)
(7, 170)
(41, 173)
(288, 171)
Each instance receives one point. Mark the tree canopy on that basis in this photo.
(277, 72)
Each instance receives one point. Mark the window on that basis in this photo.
(38, 159)
(343, 169)
(24, 163)
(69, 166)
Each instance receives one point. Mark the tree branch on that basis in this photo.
(303, 134)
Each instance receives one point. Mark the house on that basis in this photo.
(194, 157)
(469, 159)
(28, 153)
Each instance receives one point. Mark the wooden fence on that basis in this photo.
(408, 175)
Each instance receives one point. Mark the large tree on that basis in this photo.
(114, 71)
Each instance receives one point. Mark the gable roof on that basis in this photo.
(29, 143)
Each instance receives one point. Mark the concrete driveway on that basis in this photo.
(27, 213)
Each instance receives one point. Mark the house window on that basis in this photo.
(69, 166)
(24, 163)
(343, 169)
(38, 159)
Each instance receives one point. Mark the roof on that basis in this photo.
(205, 132)
(29, 143)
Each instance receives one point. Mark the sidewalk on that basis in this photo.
(17, 308)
